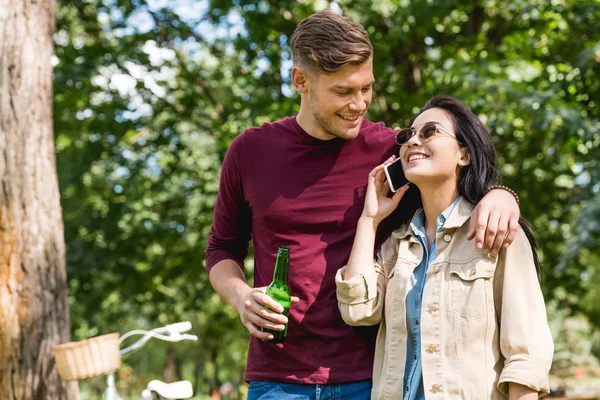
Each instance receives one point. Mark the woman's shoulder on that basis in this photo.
(521, 246)
(520, 241)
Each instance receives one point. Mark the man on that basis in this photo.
(300, 182)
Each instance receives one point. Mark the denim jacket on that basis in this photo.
(483, 319)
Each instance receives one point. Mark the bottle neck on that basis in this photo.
(281, 266)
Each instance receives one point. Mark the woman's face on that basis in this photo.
(436, 159)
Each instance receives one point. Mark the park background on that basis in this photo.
(147, 96)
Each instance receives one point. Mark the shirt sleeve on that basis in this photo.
(525, 338)
(231, 229)
(361, 298)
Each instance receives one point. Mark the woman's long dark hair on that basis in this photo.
(482, 172)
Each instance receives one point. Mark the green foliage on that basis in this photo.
(575, 340)
(148, 96)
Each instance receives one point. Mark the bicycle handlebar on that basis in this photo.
(168, 333)
(179, 327)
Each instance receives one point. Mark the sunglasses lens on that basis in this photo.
(403, 136)
(427, 131)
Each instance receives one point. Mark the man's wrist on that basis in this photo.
(241, 295)
(505, 188)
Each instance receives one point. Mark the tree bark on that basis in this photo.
(34, 313)
(172, 370)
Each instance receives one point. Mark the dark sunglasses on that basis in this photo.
(426, 133)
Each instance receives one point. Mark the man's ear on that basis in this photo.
(300, 80)
(465, 157)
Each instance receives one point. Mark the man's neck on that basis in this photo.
(308, 123)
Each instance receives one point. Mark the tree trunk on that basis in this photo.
(34, 314)
(172, 370)
(198, 374)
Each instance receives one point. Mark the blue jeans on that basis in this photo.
(359, 390)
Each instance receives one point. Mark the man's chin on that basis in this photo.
(348, 134)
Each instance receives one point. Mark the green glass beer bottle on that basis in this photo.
(280, 291)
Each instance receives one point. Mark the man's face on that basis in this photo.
(339, 101)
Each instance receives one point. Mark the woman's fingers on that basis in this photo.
(399, 194)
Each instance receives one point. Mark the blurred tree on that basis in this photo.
(34, 313)
(575, 338)
(138, 123)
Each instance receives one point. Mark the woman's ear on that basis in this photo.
(465, 157)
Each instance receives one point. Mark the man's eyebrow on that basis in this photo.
(350, 87)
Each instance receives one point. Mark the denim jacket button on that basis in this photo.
(436, 388)
(432, 348)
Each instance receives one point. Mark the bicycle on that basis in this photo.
(72, 357)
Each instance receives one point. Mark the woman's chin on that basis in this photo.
(426, 179)
(416, 178)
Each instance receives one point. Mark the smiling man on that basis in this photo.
(300, 182)
(338, 100)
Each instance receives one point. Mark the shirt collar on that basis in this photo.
(417, 224)
(452, 217)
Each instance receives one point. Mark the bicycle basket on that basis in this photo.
(91, 357)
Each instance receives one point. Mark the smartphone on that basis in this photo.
(395, 175)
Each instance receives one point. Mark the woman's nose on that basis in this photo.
(415, 140)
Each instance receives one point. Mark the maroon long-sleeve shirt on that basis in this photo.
(282, 187)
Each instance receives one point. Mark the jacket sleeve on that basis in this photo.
(231, 229)
(361, 298)
(525, 339)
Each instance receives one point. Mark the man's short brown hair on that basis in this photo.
(327, 41)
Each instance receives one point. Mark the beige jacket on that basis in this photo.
(483, 322)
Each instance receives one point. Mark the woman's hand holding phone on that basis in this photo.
(377, 203)
(377, 206)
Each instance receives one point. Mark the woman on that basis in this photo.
(455, 323)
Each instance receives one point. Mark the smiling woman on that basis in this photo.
(434, 157)
(427, 275)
